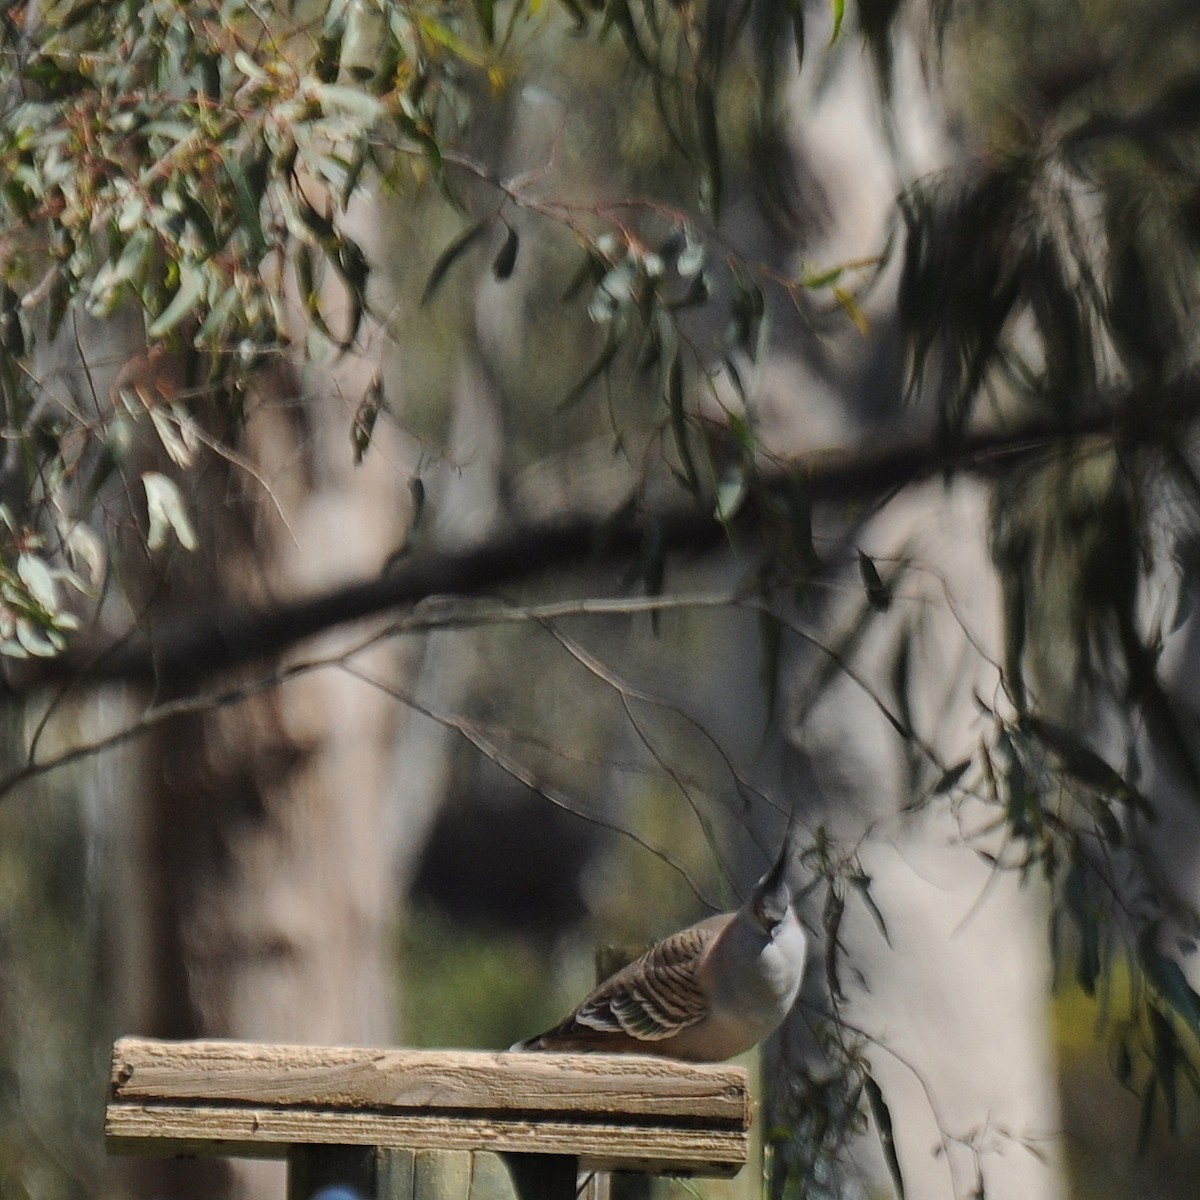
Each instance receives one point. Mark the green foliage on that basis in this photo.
(35, 617)
(205, 169)
(1081, 225)
(192, 164)
(1054, 279)
(175, 173)
(824, 1111)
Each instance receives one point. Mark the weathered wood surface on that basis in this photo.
(614, 1112)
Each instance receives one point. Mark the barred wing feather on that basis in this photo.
(658, 994)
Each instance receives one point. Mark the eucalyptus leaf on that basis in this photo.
(950, 777)
(34, 572)
(167, 513)
(191, 289)
(450, 255)
(838, 9)
(363, 426)
(882, 1116)
(599, 366)
(732, 490)
(37, 641)
(679, 424)
(506, 259)
(879, 594)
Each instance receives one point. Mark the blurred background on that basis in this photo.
(971, 684)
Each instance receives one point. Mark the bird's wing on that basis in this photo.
(655, 996)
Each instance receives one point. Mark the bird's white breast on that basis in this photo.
(782, 962)
(754, 976)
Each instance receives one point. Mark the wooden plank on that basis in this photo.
(254, 1132)
(635, 1086)
(492, 1175)
(444, 1175)
(597, 1185)
(457, 1175)
(611, 1112)
(395, 1172)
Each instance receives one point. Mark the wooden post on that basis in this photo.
(427, 1124)
(312, 1169)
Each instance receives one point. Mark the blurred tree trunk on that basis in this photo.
(265, 833)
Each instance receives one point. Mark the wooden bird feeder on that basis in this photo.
(428, 1124)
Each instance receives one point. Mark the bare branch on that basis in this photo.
(232, 638)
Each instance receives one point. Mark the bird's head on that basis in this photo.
(772, 897)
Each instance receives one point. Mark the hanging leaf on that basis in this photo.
(41, 642)
(710, 143)
(650, 567)
(452, 253)
(748, 307)
(949, 778)
(506, 260)
(679, 427)
(1082, 763)
(1168, 1054)
(1167, 976)
(617, 13)
(177, 432)
(591, 269)
(881, 1115)
(862, 884)
(603, 361)
(879, 594)
(798, 31)
(1075, 898)
(305, 261)
(37, 577)
(416, 490)
(831, 921)
(578, 14)
(187, 296)
(1146, 1117)
(365, 416)
(838, 8)
(165, 508)
(351, 264)
(614, 291)
(770, 638)
(248, 190)
(1121, 1061)
(798, 517)
(732, 490)
(900, 678)
(485, 14)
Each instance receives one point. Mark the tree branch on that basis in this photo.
(177, 657)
